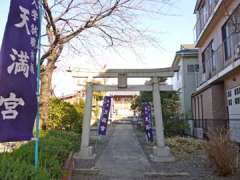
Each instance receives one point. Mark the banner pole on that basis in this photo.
(36, 151)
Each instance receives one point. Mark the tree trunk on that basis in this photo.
(46, 83)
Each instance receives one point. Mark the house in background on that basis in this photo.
(216, 102)
(73, 98)
(185, 81)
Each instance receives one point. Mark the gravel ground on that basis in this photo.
(196, 164)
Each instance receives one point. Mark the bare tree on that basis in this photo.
(77, 22)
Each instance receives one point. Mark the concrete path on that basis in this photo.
(123, 158)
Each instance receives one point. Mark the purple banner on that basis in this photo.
(18, 71)
(148, 121)
(104, 116)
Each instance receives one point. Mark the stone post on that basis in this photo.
(160, 152)
(158, 114)
(86, 151)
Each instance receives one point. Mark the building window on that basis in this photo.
(237, 100)
(230, 34)
(203, 63)
(237, 91)
(230, 102)
(190, 68)
(194, 107)
(214, 62)
(201, 96)
(196, 67)
(226, 41)
(229, 93)
(177, 75)
(204, 13)
(207, 56)
(198, 102)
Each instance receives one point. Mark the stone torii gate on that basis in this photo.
(158, 76)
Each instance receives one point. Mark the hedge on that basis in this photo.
(65, 116)
(54, 147)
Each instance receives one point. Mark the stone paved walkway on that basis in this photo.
(123, 158)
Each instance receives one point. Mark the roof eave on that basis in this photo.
(192, 53)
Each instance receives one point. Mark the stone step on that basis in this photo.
(87, 172)
(166, 174)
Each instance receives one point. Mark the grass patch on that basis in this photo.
(54, 148)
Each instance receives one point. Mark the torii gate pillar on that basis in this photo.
(86, 151)
(160, 152)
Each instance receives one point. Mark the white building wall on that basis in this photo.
(185, 83)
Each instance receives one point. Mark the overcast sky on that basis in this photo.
(172, 31)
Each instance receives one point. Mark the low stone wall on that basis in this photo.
(7, 147)
(10, 146)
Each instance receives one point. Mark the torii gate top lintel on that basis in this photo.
(134, 73)
(137, 73)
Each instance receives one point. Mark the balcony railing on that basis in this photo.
(204, 14)
(222, 56)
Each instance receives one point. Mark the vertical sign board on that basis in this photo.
(148, 121)
(104, 116)
(18, 76)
